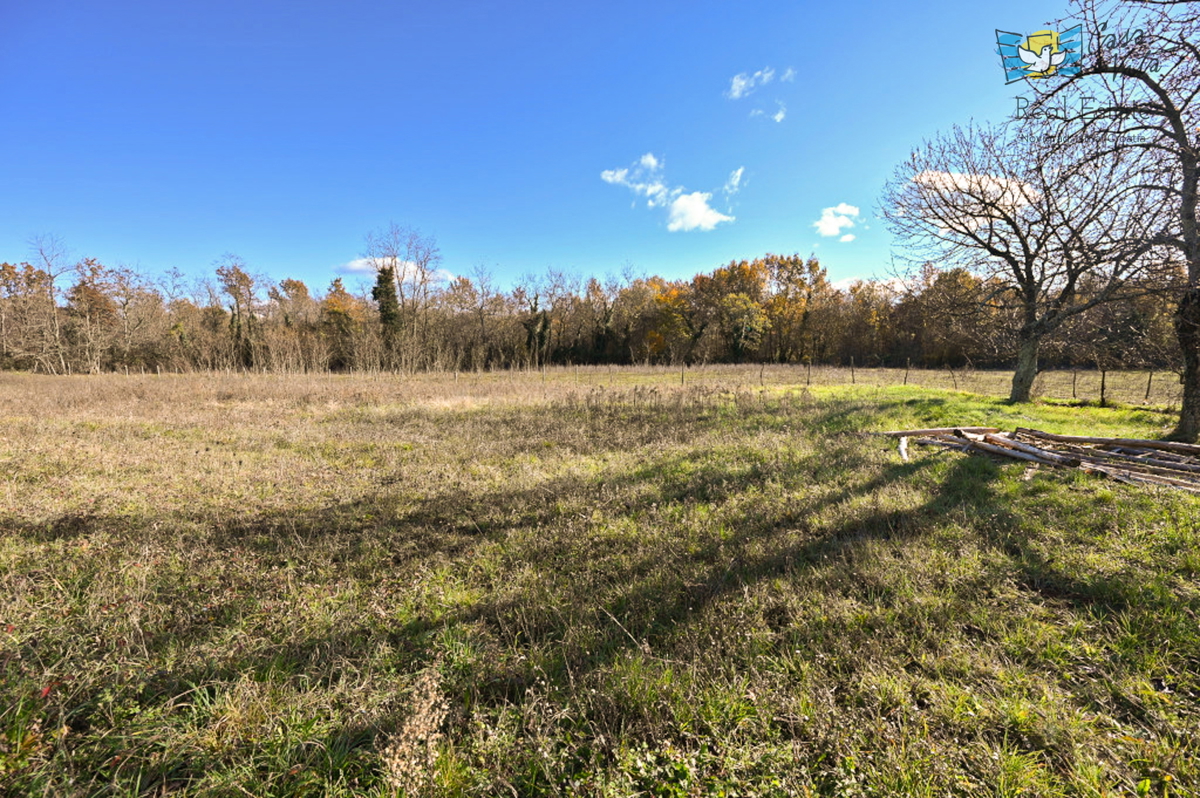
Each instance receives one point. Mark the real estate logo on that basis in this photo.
(1043, 54)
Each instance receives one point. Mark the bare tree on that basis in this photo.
(1138, 93)
(561, 297)
(599, 304)
(1030, 213)
(51, 259)
(529, 294)
(480, 298)
(414, 259)
(140, 310)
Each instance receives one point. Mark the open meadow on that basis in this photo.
(585, 582)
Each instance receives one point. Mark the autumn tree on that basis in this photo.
(27, 319)
(476, 302)
(294, 303)
(342, 317)
(93, 316)
(10, 285)
(291, 339)
(242, 292)
(683, 313)
(743, 323)
(866, 327)
(600, 303)
(799, 293)
(731, 298)
(944, 319)
(634, 321)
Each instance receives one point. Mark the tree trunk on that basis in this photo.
(1187, 328)
(1027, 369)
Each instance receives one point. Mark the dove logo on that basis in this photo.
(1043, 54)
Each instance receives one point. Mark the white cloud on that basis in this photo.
(685, 211)
(734, 184)
(987, 188)
(356, 266)
(779, 115)
(657, 193)
(745, 83)
(970, 200)
(614, 175)
(644, 178)
(692, 212)
(408, 269)
(846, 239)
(834, 220)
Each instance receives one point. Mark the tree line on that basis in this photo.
(87, 317)
(1068, 236)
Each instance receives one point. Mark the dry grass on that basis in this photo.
(410, 759)
(578, 583)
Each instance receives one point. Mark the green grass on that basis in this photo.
(224, 585)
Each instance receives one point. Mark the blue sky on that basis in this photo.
(159, 134)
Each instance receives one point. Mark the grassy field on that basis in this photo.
(585, 582)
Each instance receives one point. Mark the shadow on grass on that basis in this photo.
(628, 556)
(584, 571)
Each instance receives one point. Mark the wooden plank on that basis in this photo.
(1143, 468)
(1148, 462)
(1126, 475)
(1006, 452)
(1099, 455)
(949, 443)
(1167, 446)
(936, 431)
(1133, 462)
(1054, 457)
(1155, 454)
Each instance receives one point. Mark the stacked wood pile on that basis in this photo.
(1132, 460)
